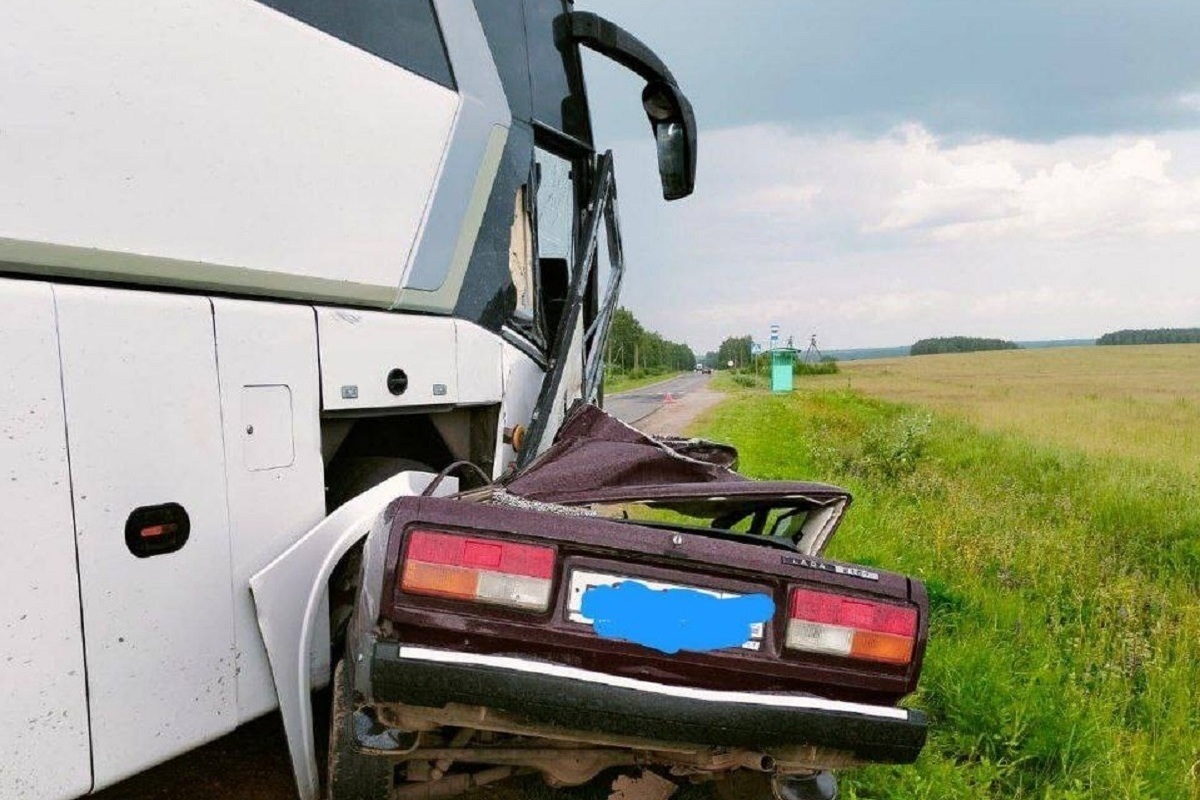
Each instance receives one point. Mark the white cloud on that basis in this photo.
(876, 241)
(988, 190)
(1189, 101)
(909, 182)
(779, 197)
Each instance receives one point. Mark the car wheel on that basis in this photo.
(352, 775)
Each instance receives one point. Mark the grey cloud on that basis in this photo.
(1031, 69)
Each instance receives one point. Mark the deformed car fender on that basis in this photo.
(289, 598)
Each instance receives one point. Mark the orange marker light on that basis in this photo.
(151, 531)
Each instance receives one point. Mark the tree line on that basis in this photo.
(740, 351)
(734, 348)
(1152, 336)
(633, 350)
(958, 344)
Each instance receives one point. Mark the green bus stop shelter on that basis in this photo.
(782, 374)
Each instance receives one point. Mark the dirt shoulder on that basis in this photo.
(674, 416)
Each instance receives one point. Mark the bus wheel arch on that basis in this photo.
(290, 601)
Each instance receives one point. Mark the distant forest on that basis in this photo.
(1152, 336)
(958, 344)
(636, 352)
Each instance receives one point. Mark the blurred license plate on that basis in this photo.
(582, 580)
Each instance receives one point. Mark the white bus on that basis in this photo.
(265, 265)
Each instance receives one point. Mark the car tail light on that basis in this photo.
(851, 627)
(478, 569)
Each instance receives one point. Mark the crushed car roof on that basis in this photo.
(596, 458)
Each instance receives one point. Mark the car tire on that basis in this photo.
(352, 775)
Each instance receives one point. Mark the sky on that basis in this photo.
(876, 172)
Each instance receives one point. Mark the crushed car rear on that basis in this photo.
(526, 628)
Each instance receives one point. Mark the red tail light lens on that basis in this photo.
(851, 627)
(478, 569)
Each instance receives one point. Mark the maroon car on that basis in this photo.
(548, 625)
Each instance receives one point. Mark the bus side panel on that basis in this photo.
(43, 700)
(361, 349)
(144, 430)
(480, 364)
(271, 403)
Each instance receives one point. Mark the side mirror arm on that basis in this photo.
(611, 40)
(667, 108)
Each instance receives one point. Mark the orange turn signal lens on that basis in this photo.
(885, 647)
(420, 577)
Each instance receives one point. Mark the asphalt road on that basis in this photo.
(636, 404)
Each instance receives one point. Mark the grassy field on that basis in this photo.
(1140, 403)
(1050, 501)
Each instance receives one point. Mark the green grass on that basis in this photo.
(1064, 659)
(621, 382)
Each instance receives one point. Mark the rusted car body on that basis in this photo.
(516, 629)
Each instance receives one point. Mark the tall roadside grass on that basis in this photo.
(1064, 659)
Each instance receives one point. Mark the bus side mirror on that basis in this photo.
(674, 127)
(669, 112)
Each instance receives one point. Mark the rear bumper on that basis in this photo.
(579, 699)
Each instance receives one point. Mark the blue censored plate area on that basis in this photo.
(668, 618)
